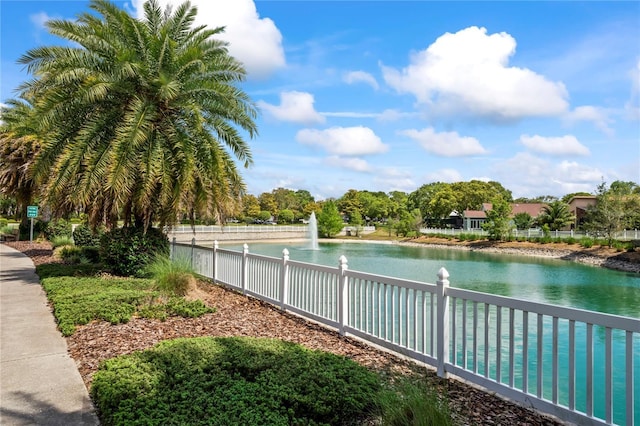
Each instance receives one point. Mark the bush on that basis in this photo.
(586, 242)
(3, 222)
(57, 228)
(84, 236)
(63, 240)
(233, 381)
(172, 276)
(92, 254)
(127, 251)
(69, 253)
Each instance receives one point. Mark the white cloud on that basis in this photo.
(557, 146)
(528, 175)
(349, 141)
(40, 19)
(468, 73)
(633, 106)
(296, 107)
(444, 175)
(446, 144)
(598, 116)
(394, 179)
(361, 77)
(351, 163)
(255, 41)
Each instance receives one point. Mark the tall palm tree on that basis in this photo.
(19, 146)
(144, 117)
(557, 215)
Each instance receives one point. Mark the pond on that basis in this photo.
(544, 280)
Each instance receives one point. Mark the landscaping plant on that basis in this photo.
(233, 381)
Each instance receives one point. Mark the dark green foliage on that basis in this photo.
(233, 381)
(47, 270)
(127, 251)
(91, 253)
(57, 228)
(329, 220)
(84, 236)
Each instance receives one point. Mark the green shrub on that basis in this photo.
(172, 276)
(586, 242)
(84, 236)
(233, 381)
(62, 240)
(570, 240)
(3, 222)
(71, 254)
(413, 403)
(127, 251)
(91, 253)
(57, 228)
(47, 270)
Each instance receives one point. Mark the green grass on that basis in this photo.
(410, 402)
(61, 240)
(172, 276)
(79, 296)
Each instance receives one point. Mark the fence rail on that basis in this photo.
(551, 358)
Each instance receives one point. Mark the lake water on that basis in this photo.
(534, 279)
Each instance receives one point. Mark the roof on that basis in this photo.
(533, 209)
(474, 214)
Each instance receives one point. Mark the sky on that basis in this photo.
(543, 97)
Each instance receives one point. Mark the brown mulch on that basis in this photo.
(237, 315)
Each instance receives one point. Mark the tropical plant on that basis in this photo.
(556, 215)
(127, 251)
(143, 117)
(19, 147)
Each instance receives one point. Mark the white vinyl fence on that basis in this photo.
(624, 235)
(581, 366)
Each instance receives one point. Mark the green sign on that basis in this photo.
(32, 211)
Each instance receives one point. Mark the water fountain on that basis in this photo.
(312, 232)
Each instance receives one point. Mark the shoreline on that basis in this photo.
(589, 257)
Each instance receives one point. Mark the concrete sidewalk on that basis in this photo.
(39, 382)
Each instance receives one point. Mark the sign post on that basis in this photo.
(32, 212)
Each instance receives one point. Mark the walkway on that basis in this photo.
(39, 382)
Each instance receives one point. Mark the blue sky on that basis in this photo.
(543, 97)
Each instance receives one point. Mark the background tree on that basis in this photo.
(286, 216)
(250, 207)
(614, 211)
(268, 203)
(357, 221)
(409, 223)
(142, 116)
(329, 220)
(556, 215)
(442, 204)
(349, 203)
(523, 220)
(498, 224)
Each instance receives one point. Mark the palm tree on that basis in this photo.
(143, 117)
(556, 215)
(19, 146)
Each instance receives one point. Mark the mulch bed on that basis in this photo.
(238, 315)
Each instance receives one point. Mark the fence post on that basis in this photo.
(343, 295)
(173, 249)
(284, 280)
(193, 243)
(443, 321)
(245, 253)
(214, 263)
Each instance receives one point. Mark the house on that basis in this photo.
(579, 205)
(473, 219)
